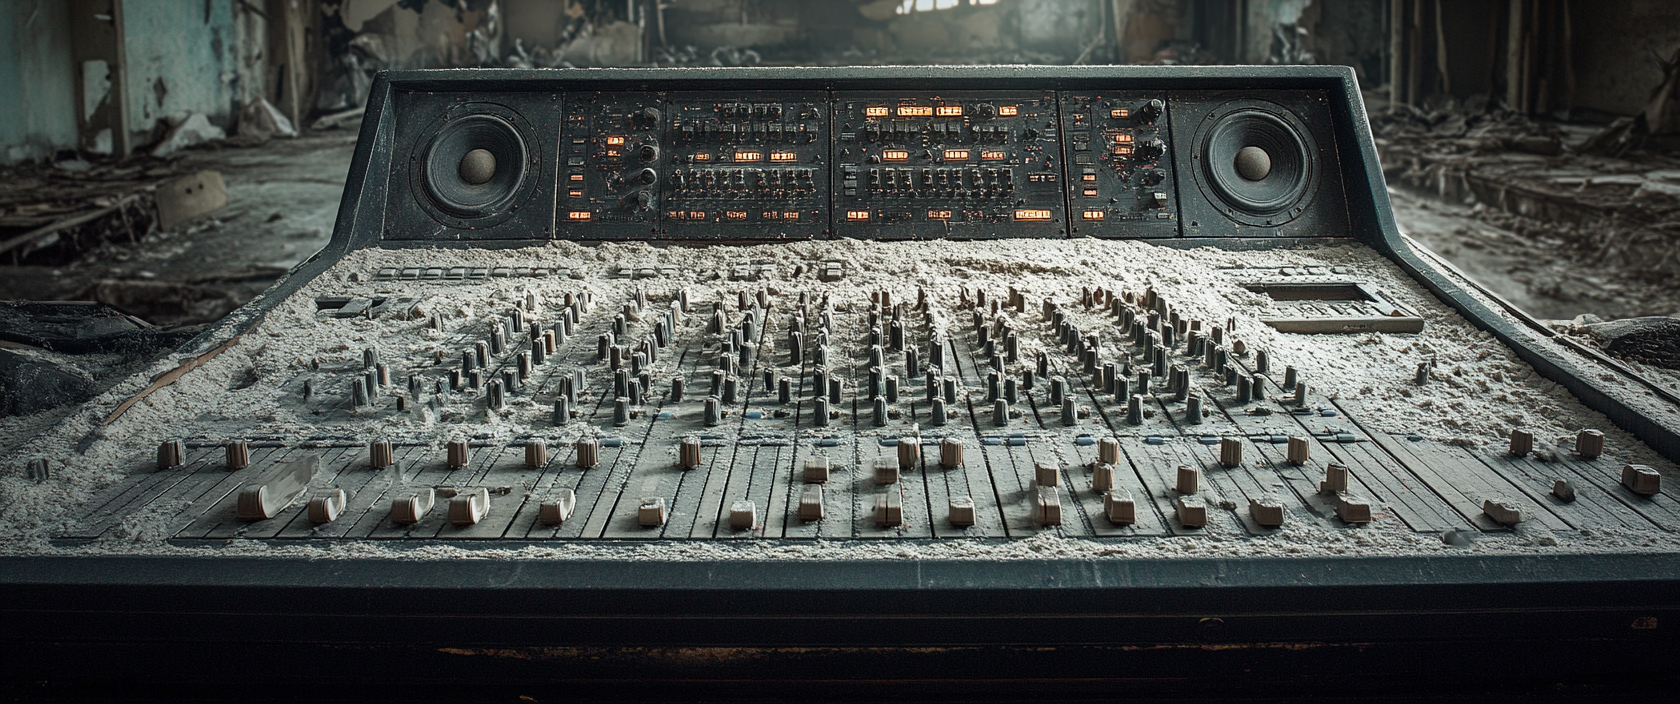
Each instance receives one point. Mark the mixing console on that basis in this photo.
(582, 407)
(758, 356)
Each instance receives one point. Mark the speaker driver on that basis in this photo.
(1257, 161)
(475, 165)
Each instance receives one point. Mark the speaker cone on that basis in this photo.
(474, 166)
(1257, 163)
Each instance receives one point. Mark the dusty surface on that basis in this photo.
(1480, 391)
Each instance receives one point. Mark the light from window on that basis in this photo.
(908, 6)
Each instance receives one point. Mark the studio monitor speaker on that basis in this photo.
(1260, 165)
(472, 169)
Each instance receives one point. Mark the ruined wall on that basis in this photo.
(37, 101)
(181, 58)
(1615, 48)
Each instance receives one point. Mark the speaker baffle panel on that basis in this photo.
(1260, 165)
(475, 169)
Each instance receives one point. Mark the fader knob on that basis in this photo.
(647, 152)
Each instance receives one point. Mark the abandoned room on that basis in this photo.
(540, 350)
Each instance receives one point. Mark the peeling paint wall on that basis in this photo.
(37, 101)
(181, 58)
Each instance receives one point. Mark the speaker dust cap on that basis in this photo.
(476, 165)
(1257, 162)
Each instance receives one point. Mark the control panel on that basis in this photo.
(610, 166)
(967, 165)
(1120, 177)
(746, 166)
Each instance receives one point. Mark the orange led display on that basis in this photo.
(894, 155)
(577, 177)
(948, 111)
(1090, 193)
(1009, 111)
(1122, 150)
(615, 140)
(703, 156)
(994, 155)
(1118, 113)
(875, 111)
(939, 215)
(956, 155)
(749, 156)
(735, 215)
(915, 111)
(1090, 177)
(1094, 215)
(783, 156)
(579, 215)
(857, 215)
(1036, 215)
(1122, 138)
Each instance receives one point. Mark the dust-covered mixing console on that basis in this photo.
(650, 351)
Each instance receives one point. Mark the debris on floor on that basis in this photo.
(1515, 201)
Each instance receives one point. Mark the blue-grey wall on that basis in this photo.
(185, 47)
(188, 45)
(37, 83)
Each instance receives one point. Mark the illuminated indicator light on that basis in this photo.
(1090, 193)
(1032, 215)
(948, 111)
(613, 154)
(790, 215)
(697, 215)
(579, 215)
(956, 155)
(1118, 113)
(1122, 138)
(1009, 111)
(1094, 214)
(749, 156)
(703, 156)
(894, 155)
(857, 215)
(1090, 177)
(575, 193)
(577, 177)
(994, 155)
(915, 111)
(615, 140)
(1122, 150)
(939, 215)
(783, 156)
(875, 111)
(735, 215)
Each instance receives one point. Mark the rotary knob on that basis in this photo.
(1151, 111)
(1150, 150)
(640, 200)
